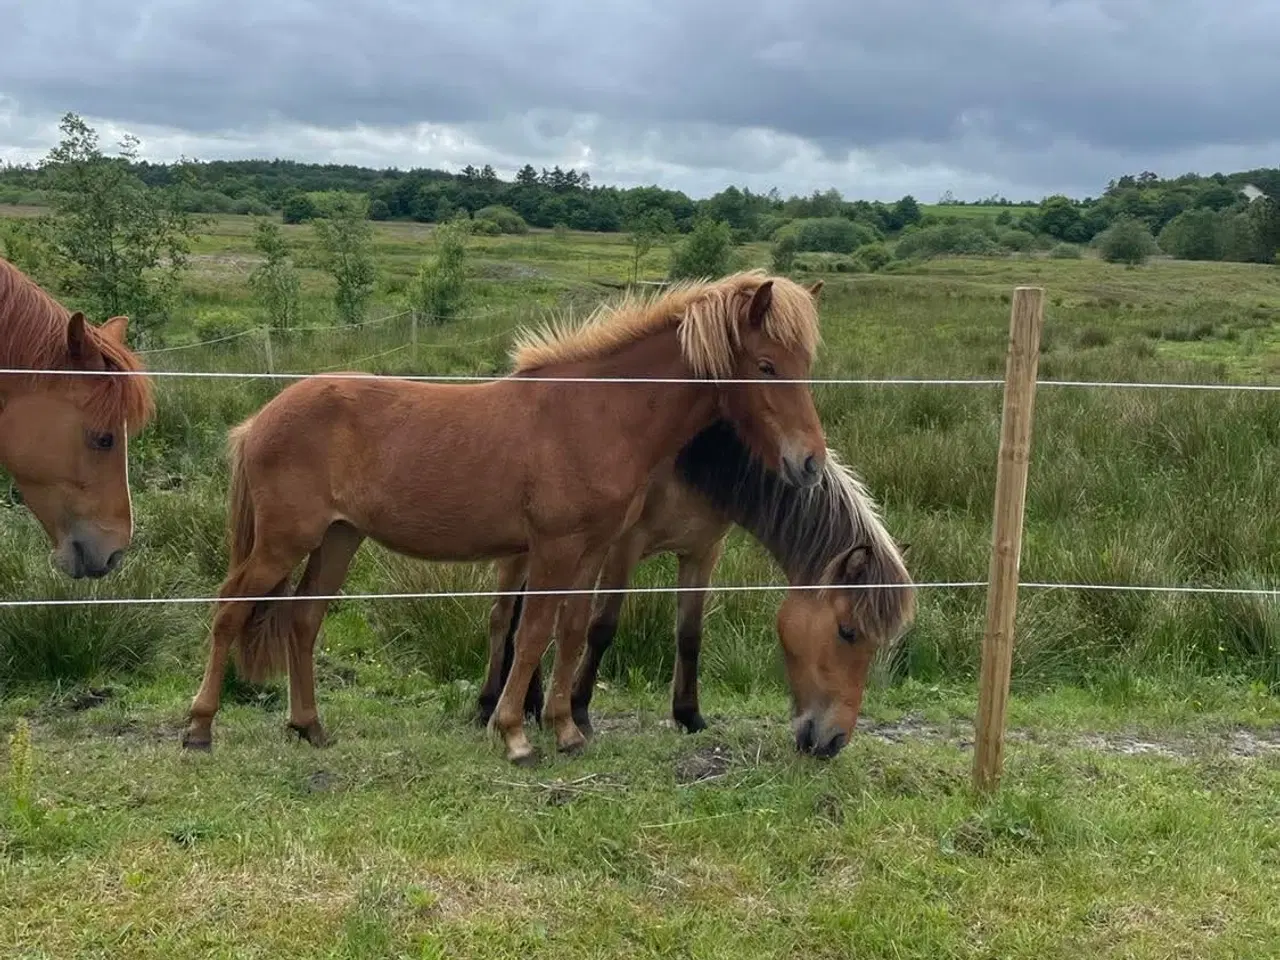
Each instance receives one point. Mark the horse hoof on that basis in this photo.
(571, 741)
(525, 758)
(312, 732)
(192, 739)
(690, 722)
(583, 722)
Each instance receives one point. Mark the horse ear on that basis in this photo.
(81, 349)
(760, 302)
(114, 329)
(851, 566)
(816, 289)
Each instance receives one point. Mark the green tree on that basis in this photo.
(1194, 235)
(439, 290)
(647, 231)
(274, 280)
(706, 253)
(120, 246)
(1127, 241)
(345, 239)
(298, 208)
(784, 251)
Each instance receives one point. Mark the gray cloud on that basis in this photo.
(1024, 95)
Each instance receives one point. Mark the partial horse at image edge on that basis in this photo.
(64, 439)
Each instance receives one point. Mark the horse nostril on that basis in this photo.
(810, 465)
(113, 561)
(804, 736)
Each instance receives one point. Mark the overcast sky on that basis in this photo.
(877, 98)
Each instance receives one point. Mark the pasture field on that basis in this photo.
(1140, 810)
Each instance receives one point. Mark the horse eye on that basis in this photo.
(102, 441)
(767, 369)
(848, 634)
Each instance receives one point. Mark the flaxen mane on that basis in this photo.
(705, 312)
(804, 529)
(33, 336)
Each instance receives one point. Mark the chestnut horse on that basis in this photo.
(520, 464)
(829, 536)
(64, 439)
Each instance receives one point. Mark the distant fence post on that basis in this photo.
(413, 329)
(1025, 323)
(266, 340)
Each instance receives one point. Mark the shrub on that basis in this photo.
(706, 252)
(1019, 241)
(830, 234)
(439, 290)
(506, 219)
(1194, 235)
(1127, 241)
(219, 323)
(784, 252)
(957, 239)
(874, 256)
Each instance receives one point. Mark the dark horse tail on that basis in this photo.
(262, 648)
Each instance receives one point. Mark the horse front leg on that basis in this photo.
(563, 564)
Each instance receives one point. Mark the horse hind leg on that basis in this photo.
(694, 577)
(263, 573)
(618, 567)
(326, 571)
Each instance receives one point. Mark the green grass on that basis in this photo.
(411, 836)
(972, 211)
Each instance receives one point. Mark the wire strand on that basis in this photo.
(487, 378)
(711, 588)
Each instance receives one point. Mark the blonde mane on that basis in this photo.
(33, 336)
(706, 315)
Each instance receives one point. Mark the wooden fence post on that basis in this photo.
(413, 329)
(266, 339)
(1025, 323)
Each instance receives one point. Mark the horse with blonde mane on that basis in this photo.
(829, 536)
(543, 461)
(64, 438)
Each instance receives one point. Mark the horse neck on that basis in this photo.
(803, 530)
(668, 415)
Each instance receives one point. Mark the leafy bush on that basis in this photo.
(831, 234)
(1127, 241)
(1018, 241)
(874, 256)
(784, 252)
(506, 219)
(439, 290)
(706, 252)
(955, 239)
(1194, 235)
(220, 322)
(274, 280)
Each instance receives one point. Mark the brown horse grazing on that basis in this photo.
(65, 439)
(830, 535)
(466, 472)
